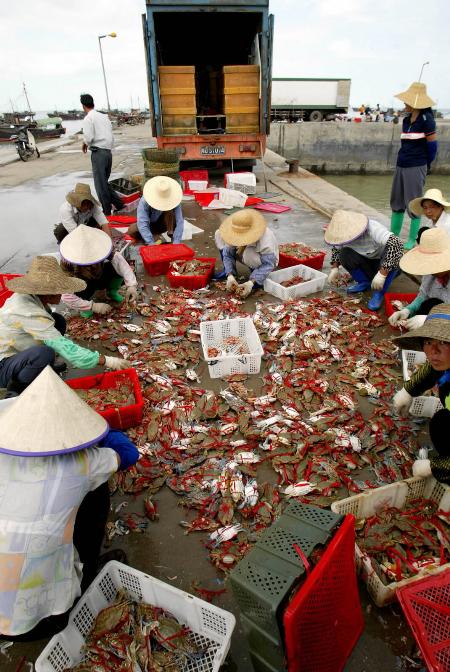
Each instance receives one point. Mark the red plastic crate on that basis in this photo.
(426, 605)
(273, 207)
(124, 416)
(315, 262)
(187, 175)
(205, 199)
(5, 293)
(117, 221)
(323, 621)
(388, 298)
(157, 258)
(192, 281)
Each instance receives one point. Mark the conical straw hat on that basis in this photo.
(432, 255)
(45, 277)
(243, 228)
(85, 246)
(344, 227)
(48, 418)
(437, 326)
(430, 195)
(416, 96)
(162, 193)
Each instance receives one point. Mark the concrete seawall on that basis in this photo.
(348, 147)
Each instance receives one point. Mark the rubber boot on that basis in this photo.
(86, 313)
(113, 290)
(14, 388)
(59, 365)
(362, 282)
(220, 275)
(397, 222)
(414, 227)
(377, 297)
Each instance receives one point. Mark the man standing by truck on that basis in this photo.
(98, 138)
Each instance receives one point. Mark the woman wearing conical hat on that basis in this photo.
(56, 456)
(417, 152)
(245, 237)
(88, 254)
(434, 206)
(433, 337)
(431, 259)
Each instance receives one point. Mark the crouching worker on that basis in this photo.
(434, 206)
(31, 334)
(159, 211)
(80, 207)
(245, 237)
(434, 338)
(87, 254)
(54, 504)
(367, 250)
(431, 258)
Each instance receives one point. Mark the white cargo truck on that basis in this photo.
(309, 99)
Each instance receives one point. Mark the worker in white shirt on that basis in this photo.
(80, 207)
(87, 254)
(98, 138)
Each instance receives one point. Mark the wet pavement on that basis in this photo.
(29, 212)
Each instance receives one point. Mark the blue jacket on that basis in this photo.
(147, 215)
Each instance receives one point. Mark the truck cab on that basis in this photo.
(209, 77)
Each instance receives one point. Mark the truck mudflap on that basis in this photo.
(215, 147)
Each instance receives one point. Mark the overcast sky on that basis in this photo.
(52, 45)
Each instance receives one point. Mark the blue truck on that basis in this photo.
(209, 65)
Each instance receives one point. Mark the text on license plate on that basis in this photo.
(212, 149)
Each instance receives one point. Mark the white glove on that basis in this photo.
(415, 322)
(421, 468)
(402, 401)
(333, 276)
(232, 283)
(245, 289)
(378, 281)
(116, 363)
(101, 308)
(398, 316)
(131, 294)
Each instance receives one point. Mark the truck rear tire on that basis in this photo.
(316, 115)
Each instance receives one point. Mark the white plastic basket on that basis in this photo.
(197, 185)
(213, 334)
(245, 182)
(424, 407)
(314, 282)
(212, 627)
(411, 358)
(397, 495)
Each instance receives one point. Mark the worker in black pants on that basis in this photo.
(98, 138)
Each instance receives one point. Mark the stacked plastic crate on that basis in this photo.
(266, 579)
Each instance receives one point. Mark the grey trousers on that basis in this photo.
(101, 169)
(407, 184)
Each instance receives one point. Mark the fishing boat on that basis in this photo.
(70, 115)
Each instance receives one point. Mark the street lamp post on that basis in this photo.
(100, 37)
(423, 65)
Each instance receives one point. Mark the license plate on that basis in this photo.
(213, 149)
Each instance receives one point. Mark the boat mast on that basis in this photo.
(26, 96)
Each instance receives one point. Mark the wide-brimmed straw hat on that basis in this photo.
(48, 418)
(416, 96)
(45, 277)
(345, 226)
(430, 195)
(85, 246)
(162, 193)
(82, 192)
(437, 325)
(432, 255)
(243, 228)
